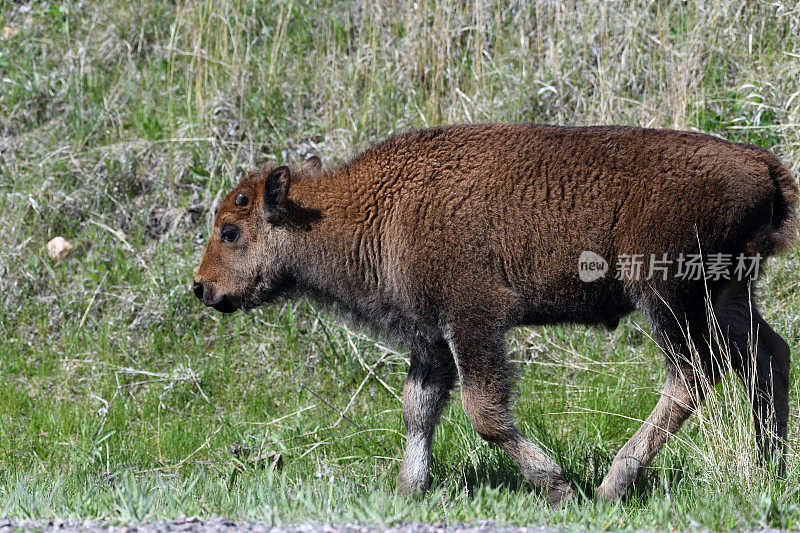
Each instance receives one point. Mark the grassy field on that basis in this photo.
(123, 123)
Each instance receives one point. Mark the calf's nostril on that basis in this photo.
(198, 290)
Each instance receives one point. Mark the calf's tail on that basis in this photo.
(782, 232)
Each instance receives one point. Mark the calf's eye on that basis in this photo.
(229, 233)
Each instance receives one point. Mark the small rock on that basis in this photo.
(10, 31)
(59, 248)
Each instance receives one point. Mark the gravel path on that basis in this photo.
(224, 525)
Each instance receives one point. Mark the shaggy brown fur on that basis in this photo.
(445, 238)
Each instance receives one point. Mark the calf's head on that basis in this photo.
(244, 263)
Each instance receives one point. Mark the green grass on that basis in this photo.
(122, 398)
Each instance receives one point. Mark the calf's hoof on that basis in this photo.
(412, 489)
(608, 492)
(560, 494)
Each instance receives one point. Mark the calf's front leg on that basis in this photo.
(425, 395)
(485, 390)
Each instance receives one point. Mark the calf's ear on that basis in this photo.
(312, 163)
(276, 189)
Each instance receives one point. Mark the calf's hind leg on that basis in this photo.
(425, 395)
(485, 390)
(767, 382)
(677, 402)
(686, 385)
(761, 359)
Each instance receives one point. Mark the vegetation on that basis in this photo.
(123, 123)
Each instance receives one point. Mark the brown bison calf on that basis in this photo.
(445, 238)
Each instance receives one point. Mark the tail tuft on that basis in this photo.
(782, 234)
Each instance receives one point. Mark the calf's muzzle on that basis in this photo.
(206, 294)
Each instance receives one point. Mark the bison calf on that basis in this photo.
(445, 238)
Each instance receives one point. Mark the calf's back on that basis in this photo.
(447, 218)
